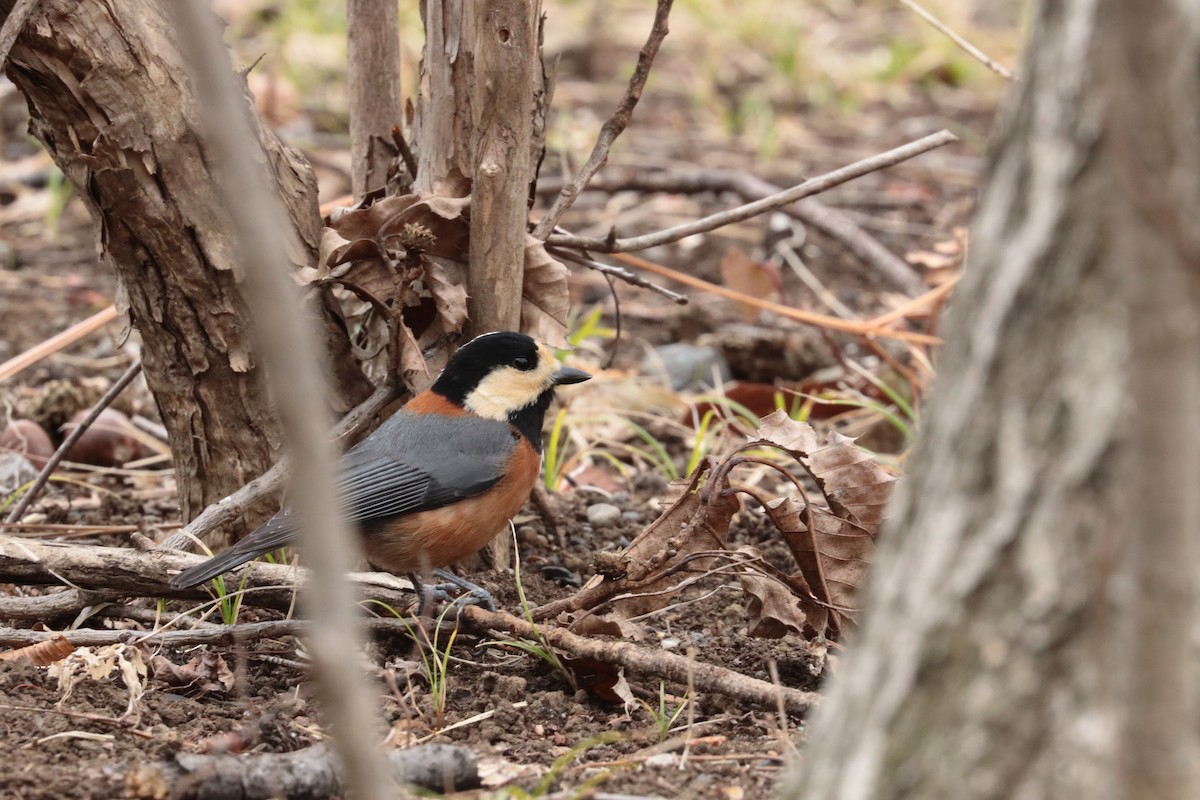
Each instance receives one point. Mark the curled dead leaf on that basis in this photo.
(830, 533)
(544, 298)
(42, 654)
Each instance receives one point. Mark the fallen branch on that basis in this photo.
(144, 574)
(213, 635)
(313, 772)
(45, 607)
(658, 663)
(612, 244)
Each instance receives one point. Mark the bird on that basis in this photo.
(440, 477)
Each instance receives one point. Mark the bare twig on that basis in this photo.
(966, 46)
(617, 272)
(863, 328)
(286, 344)
(613, 127)
(835, 223)
(612, 244)
(406, 153)
(69, 442)
(57, 342)
(659, 663)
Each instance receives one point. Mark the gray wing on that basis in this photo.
(414, 462)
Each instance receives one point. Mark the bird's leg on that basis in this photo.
(426, 593)
(475, 594)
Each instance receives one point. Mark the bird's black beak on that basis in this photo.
(567, 375)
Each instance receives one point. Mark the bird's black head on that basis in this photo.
(506, 376)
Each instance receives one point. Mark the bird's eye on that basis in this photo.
(523, 363)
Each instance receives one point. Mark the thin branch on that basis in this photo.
(612, 244)
(285, 344)
(406, 153)
(659, 663)
(966, 46)
(52, 464)
(835, 223)
(863, 328)
(613, 127)
(617, 272)
(57, 342)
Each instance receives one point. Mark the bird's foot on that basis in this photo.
(454, 590)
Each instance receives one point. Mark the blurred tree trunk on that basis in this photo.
(480, 113)
(1031, 625)
(110, 100)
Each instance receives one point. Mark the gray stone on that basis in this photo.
(603, 515)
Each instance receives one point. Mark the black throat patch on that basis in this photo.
(529, 420)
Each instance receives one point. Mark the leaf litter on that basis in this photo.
(830, 533)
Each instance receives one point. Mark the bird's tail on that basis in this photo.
(277, 532)
(222, 562)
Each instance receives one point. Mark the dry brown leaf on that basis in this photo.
(647, 575)
(834, 555)
(621, 689)
(43, 653)
(605, 625)
(744, 274)
(205, 673)
(848, 476)
(773, 611)
(830, 534)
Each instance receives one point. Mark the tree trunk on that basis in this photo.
(110, 101)
(373, 77)
(482, 91)
(1030, 630)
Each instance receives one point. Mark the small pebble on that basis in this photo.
(670, 643)
(603, 515)
(631, 516)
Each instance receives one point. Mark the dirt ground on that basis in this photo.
(81, 746)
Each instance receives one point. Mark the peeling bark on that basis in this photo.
(110, 101)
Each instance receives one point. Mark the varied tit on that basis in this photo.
(443, 475)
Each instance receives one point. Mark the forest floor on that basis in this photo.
(530, 728)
